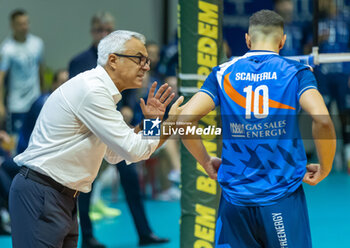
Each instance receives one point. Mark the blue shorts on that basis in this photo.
(282, 225)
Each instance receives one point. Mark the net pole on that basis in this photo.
(200, 42)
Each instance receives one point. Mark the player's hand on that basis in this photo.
(313, 174)
(175, 109)
(212, 167)
(156, 103)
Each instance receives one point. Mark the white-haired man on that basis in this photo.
(102, 24)
(78, 127)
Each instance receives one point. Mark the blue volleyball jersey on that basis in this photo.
(263, 157)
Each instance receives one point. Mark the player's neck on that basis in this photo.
(19, 37)
(265, 47)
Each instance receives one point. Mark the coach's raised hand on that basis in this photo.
(157, 103)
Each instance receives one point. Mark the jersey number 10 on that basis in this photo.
(260, 106)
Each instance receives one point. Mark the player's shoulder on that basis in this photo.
(292, 64)
(301, 71)
(218, 72)
(35, 37)
(31, 38)
(228, 64)
(7, 45)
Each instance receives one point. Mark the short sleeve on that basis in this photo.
(306, 81)
(211, 85)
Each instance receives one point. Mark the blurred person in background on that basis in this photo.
(103, 23)
(5, 183)
(295, 31)
(162, 170)
(170, 171)
(154, 55)
(333, 78)
(21, 64)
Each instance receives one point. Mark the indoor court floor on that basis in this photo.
(328, 203)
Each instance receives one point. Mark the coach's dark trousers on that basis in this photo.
(41, 216)
(131, 186)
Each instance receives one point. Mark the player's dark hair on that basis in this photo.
(102, 17)
(266, 18)
(17, 12)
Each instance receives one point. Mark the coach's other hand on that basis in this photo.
(175, 109)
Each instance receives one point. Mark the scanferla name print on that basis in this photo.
(247, 76)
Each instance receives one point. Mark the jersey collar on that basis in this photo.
(259, 52)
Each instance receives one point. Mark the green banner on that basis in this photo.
(200, 47)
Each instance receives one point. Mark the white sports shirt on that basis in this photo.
(22, 62)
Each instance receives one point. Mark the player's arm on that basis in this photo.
(323, 134)
(197, 107)
(173, 115)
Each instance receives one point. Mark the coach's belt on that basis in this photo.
(48, 181)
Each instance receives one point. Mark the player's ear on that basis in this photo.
(248, 41)
(283, 41)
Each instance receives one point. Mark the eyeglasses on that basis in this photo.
(142, 60)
